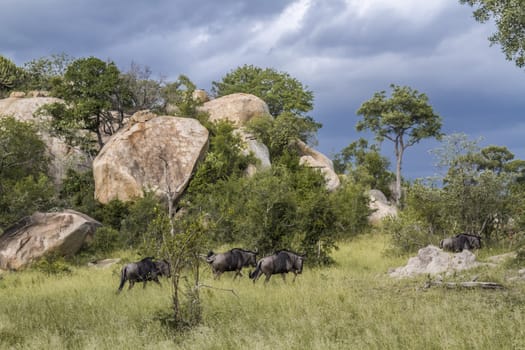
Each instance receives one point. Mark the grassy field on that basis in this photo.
(352, 305)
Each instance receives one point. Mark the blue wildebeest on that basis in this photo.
(232, 260)
(144, 271)
(282, 261)
(460, 242)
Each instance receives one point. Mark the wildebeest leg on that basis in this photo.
(131, 283)
(267, 278)
(283, 275)
(294, 276)
(145, 281)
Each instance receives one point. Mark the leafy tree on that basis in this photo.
(92, 89)
(180, 95)
(404, 119)
(46, 72)
(509, 16)
(286, 97)
(224, 158)
(365, 165)
(9, 74)
(145, 93)
(279, 90)
(24, 185)
(280, 134)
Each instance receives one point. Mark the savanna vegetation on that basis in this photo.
(344, 299)
(350, 304)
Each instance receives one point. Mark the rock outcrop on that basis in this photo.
(380, 206)
(200, 95)
(237, 108)
(432, 260)
(257, 148)
(62, 156)
(315, 159)
(41, 233)
(156, 154)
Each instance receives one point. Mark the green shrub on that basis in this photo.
(408, 233)
(53, 264)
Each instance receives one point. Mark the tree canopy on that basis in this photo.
(404, 118)
(93, 90)
(509, 17)
(9, 73)
(279, 90)
(24, 185)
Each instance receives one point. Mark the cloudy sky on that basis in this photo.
(343, 50)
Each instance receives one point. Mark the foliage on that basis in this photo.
(366, 165)
(9, 74)
(480, 194)
(53, 264)
(46, 72)
(282, 208)
(24, 185)
(509, 16)
(224, 158)
(92, 89)
(105, 240)
(77, 191)
(408, 232)
(25, 196)
(404, 119)
(279, 90)
(145, 93)
(287, 99)
(141, 212)
(180, 95)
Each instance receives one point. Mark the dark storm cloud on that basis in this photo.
(343, 50)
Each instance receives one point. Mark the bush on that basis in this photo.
(53, 264)
(408, 233)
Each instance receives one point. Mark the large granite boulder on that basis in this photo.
(257, 149)
(62, 156)
(317, 160)
(381, 207)
(432, 260)
(157, 154)
(41, 233)
(237, 108)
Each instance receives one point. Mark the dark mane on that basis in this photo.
(243, 250)
(287, 251)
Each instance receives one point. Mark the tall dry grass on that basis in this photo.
(351, 305)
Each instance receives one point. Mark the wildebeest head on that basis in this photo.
(163, 267)
(252, 259)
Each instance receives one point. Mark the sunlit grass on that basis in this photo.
(351, 305)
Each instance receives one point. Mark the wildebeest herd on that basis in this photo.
(281, 262)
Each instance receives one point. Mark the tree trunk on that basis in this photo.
(399, 158)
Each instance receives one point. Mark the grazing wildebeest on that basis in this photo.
(282, 261)
(233, 260)
(144, 271)
(460, 242)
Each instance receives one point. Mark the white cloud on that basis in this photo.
(268, 33)
(411, 10)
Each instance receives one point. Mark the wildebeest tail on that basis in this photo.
(441, 244)
(257, 270)
(122, 278)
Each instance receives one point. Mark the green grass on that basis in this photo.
(351, 305)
